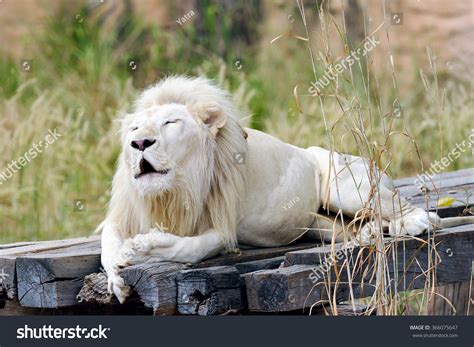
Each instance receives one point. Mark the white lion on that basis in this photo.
(191, 183)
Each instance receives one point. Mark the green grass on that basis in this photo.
(81, 80)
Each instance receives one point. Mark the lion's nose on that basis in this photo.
(141, 145)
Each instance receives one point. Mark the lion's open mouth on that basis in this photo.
(146, 168)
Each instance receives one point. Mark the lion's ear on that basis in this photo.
(213, 116)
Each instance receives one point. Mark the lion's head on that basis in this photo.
(164, 146)
(177, 168)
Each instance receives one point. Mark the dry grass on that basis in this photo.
(359, 118)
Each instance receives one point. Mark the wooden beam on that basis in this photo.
(155, 284)
(456, 184)
(254, 254)
(94, 290)
(410, 181)
(284, 289)
(8, 256)
(54, 280)
(17, 244)
(209, 291)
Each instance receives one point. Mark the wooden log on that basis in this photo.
(209, 291)
(155, 284)
(94, 290)
(283, 289)
(8, 258)
(407, 261)
(54, 280)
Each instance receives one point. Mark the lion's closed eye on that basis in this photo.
(170, 122)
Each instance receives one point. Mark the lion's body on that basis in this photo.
(282, 188)
(192, 183)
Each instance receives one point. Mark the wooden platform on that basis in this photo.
(63, 277)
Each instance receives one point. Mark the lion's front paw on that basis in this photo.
(133, 251)
(116, 285)
(155, 244)
(413, 224)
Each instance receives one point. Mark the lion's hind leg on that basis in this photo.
(354, 186)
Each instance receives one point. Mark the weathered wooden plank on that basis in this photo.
(316, 255)
(456, 184)
(431, 200)
(283, 289)
(17, 244)
(465, 183)
(262, 264)
(209, 291)
(410, 181)
(45, 246)
(302, 284)
(436, 186)
(8, 258)
(155, 284)
(94, 290)
(254, 254)
(53, 280)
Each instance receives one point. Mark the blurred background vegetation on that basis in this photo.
(89, 59)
